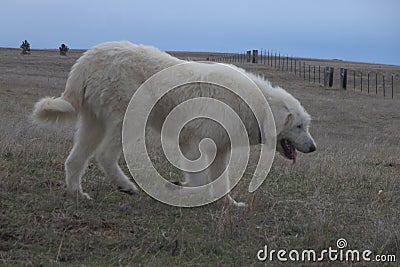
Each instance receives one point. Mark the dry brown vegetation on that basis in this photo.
(349, 188)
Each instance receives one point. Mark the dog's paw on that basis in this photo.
(86, 196)
(171, 185)
(241, 205)
(129, 189)
(79, 195)
(232, 202)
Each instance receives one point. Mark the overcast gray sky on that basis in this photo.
(358, 30)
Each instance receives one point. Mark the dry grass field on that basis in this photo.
(349, 188)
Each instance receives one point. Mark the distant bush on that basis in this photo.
(63, 49)
(26, 47)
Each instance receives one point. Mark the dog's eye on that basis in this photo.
(299, 126)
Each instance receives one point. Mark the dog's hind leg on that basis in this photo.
(108, 154)
(87, 137)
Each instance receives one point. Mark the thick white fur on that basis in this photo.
(99, 88)
(51, 110)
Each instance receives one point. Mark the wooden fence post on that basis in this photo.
(265, 55)
(269, 57)
(300, 68)
(331, 77)
(314, 73)
(319, 74)
(273, 58)
(248, 56)
(392, 86)
(287, 63)
(255, 56)
(328, 76)
(384, 89)
(279, 61)
(291, 64)
(283, 62)
(343, 78)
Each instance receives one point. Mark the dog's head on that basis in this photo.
(292, 124)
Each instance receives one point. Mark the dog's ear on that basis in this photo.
(282, 120)
(288, 119)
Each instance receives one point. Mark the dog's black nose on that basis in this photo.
(312, 148)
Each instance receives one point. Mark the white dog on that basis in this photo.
(98, 91)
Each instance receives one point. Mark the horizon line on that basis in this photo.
(228, 53)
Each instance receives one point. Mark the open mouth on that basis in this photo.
(289, 150)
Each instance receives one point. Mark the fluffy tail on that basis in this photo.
(54, 111)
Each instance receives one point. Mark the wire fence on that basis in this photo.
(365, 78)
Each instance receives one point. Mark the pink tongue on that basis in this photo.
(294, 153)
